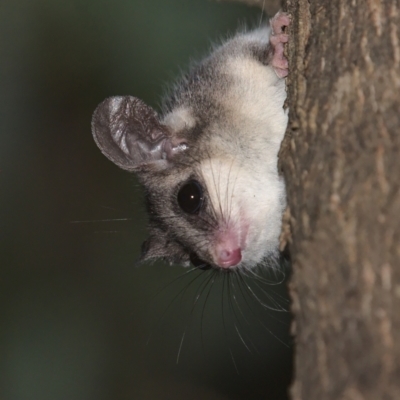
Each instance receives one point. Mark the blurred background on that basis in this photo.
(79, 319)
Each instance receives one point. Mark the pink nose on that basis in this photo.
(228, 257)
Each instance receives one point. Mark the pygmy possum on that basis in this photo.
(208, 162)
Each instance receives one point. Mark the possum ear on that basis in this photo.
(129, 133)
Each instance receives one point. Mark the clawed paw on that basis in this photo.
(278, 39)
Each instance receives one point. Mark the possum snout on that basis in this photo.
(229, 244)
(227, 257)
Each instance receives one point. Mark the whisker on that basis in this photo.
(258, 299)
(99, 220)
(236, 317)
(190, 319)
(181, 292)
(216, 187)
(180, 346)
(234, 362)
(254, 275)
(161, 290)
(101, 232)
(184, 290)
(229, 199)
(262, 12)
(237, 303)
(241, 339)
(224, 324)
(254, 314)
(204, 305)
(273, 299)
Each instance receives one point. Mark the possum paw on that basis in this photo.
(278, 39)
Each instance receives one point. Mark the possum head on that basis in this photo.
(207, 203)
(209, 164)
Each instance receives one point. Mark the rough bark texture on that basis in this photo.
(341, 160)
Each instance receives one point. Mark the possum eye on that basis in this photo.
(190, 197)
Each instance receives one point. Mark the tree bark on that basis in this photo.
(341, 162)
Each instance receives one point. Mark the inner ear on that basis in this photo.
(129, 133)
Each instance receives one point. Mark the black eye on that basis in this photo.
(190, 197)
(197, 262)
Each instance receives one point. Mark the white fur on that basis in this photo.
(247, 186)
(180, 119)
(252, 200)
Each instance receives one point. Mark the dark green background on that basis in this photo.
(76, 314)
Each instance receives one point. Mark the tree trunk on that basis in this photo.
(341, 162)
